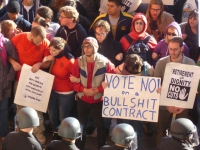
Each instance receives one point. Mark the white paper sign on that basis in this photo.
(34, 89)
(179, 85)
(165, 2)
(131, 97)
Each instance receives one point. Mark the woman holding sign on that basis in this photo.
(134, 65)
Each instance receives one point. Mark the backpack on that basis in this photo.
(140, 48)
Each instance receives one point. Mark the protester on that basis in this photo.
(71, 30)
(32, 53)
(62, 95)
(90, 68)
(120, 22)
(157, 19)
(190, 34)
(7, 74)
(175, 47)
(13, 9)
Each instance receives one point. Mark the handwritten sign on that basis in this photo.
(131, 97)
(34, 89)
(165, 2)
(180, 85)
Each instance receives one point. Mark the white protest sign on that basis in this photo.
(165, 2)
(131, 97)
(179, 85)
(34, 89)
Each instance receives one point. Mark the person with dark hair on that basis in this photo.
(28, 9)
(32, 53)
(175, 47)
(108, 47)
(120, 22)
(69, 130)
(90, 68)
(157, 19)
(27, 120)
(46, 13)
(190, 32)
(131, 42)
(62, 95)
(161, 50)
(71, 30)
(184, 136)
(13, 9)
(128, 6)
(39, 21)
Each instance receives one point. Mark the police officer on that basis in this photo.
(69, 130)
(184, 136)
(27, 119)
(124, 137)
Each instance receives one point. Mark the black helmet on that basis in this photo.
(70, 128)
(124, 134)
(27, 117)
(183, 129)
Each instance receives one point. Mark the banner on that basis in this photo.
(165, 2)
(179, 86)
(34, 89)
(131, 97)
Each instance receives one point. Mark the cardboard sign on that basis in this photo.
(165, 2)
(180, 85)
(34, 89)
(131, 97)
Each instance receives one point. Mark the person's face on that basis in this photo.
(12, 32)
(64, 20)
(36, 40)
(193, 21)
(26, 2)
(139, 25)
(175, 51)
(88, 49)
(53, 51)
(171, 32)
(100, 34)
(113, 9)
(13, 16)
(155, 11)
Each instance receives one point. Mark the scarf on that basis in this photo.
(3, 54)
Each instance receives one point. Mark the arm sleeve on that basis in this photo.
(152, 43)
(78, 87)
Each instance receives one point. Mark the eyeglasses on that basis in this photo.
(63, 17)
(87, 46)
(155, 10)
(194, 18)
(100, 34)
(171, 34)
(139, 23)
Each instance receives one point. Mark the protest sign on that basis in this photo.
(34, 89)
(165, 2)
(131, 97)
(179, 86)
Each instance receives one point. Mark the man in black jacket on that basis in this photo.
(13, 9)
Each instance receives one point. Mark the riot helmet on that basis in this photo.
(124, 134)
(70, 128)
(27, 117)
(184, 130)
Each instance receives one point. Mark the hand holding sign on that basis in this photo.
(182, 93)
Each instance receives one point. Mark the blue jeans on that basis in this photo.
(3, 117)
(60, 106)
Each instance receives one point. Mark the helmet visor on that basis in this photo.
(194, 138)
(134, 145)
